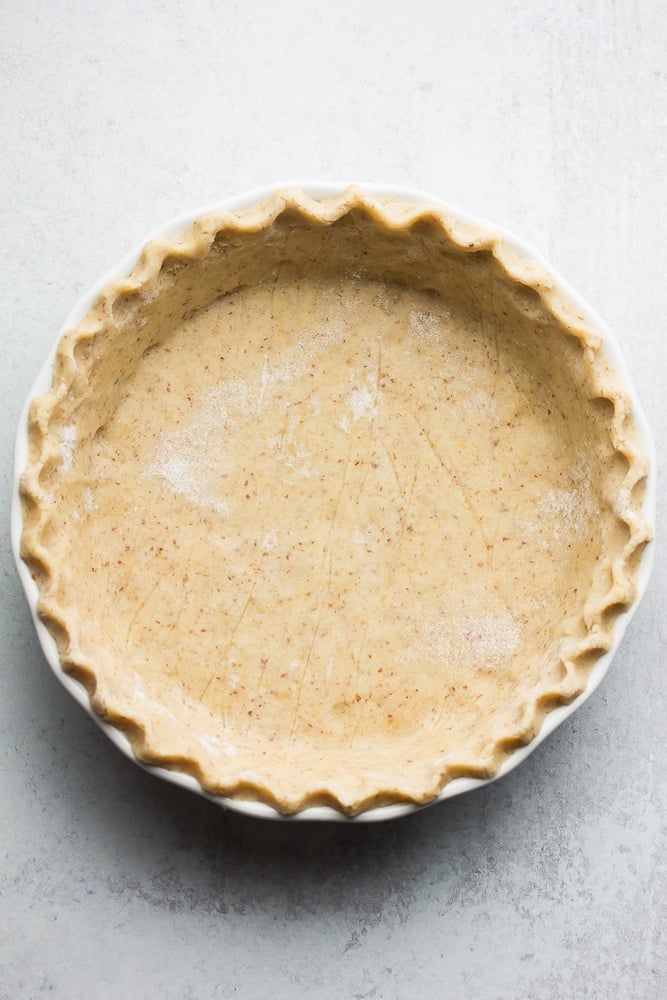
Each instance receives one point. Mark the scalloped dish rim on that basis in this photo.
(317, 190)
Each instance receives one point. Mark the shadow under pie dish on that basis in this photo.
(332, 502)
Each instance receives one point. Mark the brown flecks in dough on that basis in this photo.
(331, 509)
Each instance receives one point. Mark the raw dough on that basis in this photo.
(331, 501)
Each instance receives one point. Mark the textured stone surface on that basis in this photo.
(546, 117)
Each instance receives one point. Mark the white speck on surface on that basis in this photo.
(264, 381)
(482, 404)
(89, 504)
(269, 541)
(217, 746)
(210, 742)
(140, 694)
(67, 445)
(363, 535)
(623, 507)
(362, 403)
(290, 451)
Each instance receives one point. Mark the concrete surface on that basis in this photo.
(548, 117)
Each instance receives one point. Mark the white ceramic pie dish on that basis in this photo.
(554, 718)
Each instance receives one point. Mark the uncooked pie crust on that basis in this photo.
(331, 501)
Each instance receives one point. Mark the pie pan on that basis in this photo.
(332, 502)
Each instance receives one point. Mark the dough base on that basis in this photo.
(332, 510)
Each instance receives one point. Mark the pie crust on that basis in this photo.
(331, 500)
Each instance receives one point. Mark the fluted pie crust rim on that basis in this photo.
(350, 793)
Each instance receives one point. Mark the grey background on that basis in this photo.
(546, 117)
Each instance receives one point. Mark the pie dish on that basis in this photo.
(330, 499)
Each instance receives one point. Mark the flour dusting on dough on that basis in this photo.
(297, 359)
(623, 507)
(428, 326)
(482, 404)
(365, 535)
(362, 402)
(192, 460)
(269, 541)
(564, 512)
(140, 694)
(90, 506)
(289, 450)
(218, 746)
(67, 446)
(473, 638)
